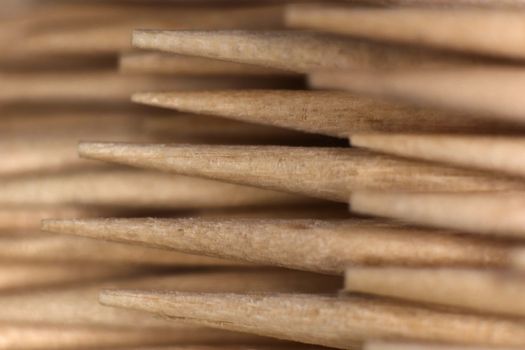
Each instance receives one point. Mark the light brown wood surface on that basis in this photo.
(489, 291)
(327, 173)
(330, 113)
(296, 51)
(341, 322)
(312, 245)
(490, 213)
(493, 32)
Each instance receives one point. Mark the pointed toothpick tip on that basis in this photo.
(146, 98)
(130, 298)
(115, 297)
(76, 227)
(96, 150)
(52, 225)
(142, 38)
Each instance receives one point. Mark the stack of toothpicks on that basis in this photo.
(216, 175)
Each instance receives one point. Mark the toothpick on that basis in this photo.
(296, 51)
(336, 114)
(341, 322)
(78, 305)
(326, 246)
(327, 173)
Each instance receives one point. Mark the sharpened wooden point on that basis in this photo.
(296, 51)
(341, 322)
(295, 243)
(62, 305)
(336, 172)
(331, 113)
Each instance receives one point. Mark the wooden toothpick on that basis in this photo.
(296, 51)
(313, 245)
(341, 322)
(328, 173)
(336, 114)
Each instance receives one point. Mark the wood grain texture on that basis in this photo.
(296, 51)
(78, 305)
(341, 322)
(128, 188)
(330, 113)
(488, 92)
(312, 245)
(489, 291)
(489, 152)
(493, 32)
(327, 173)
(491, 213)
